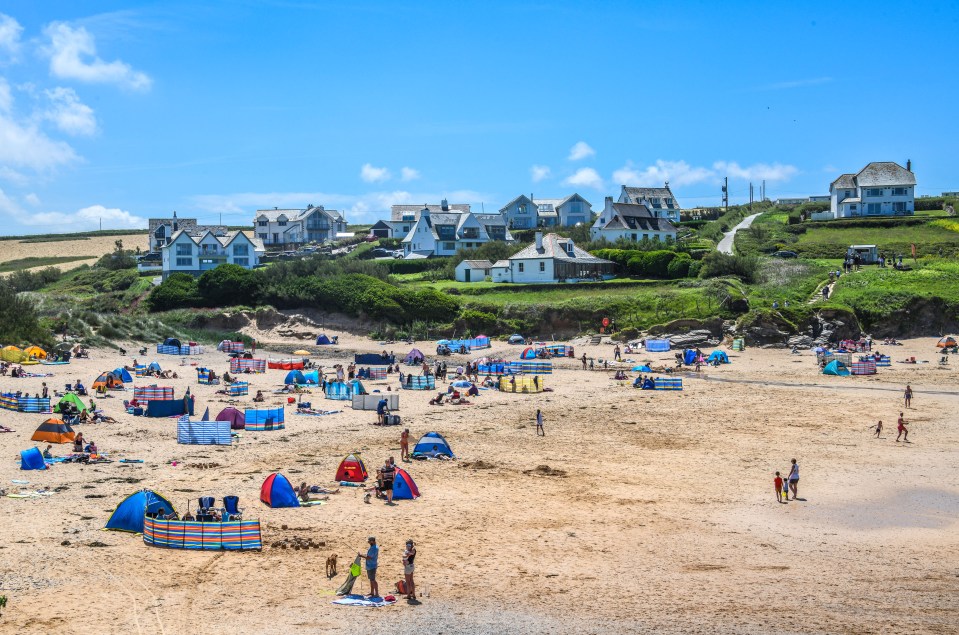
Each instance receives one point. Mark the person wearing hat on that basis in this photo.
(371, 557)
(408, 556)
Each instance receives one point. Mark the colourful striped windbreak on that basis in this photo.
(238, 389)
(227, 346)
(480, 341)
(231, 535)
(828, 356)
(153, 393)
(521, 383)
(493, 368)
(164, 349)
(139, 370)
(9, 401)
(531, 368)
(371, 373)
(884, 361)
(419, 382)
(265, 419)
(203, 377)
(867, 367)
(203, 432)
(669, 383)
(739, 344)
(561, 350)
(240, 365)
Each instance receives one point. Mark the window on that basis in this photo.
(848, 193)
(282, 223)
(874, 208)
(668, 201)
(645, 236)
(262, 223)
(542, 266)
(243, 262)
(449, 246)
(262, 237)
(241, 250)
(876, 191)
(900, 191)
(522, 209)
(899, 207)
(184, 262)
(655, 202)
(521, 267)
(276, 238)
(184, 250)
(852, 207)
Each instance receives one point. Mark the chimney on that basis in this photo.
(539, 241)
(909, 165)
(444, 205)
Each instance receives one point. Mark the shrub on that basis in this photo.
(719, 264)
(475, 321)
(176, 292)
(430, 305)
(228, 285)
(679, 266)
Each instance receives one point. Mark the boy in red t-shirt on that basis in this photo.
(778, 482)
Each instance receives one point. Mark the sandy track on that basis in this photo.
(664, 521)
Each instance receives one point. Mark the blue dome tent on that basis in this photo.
(689, 356)
(32, 459)
(528, 353)
(642, 368)
(323, 340)
(718, 356)
(516, 338)
(836, 367)
(128, 516)
(430, 440)
(295, 377)
(277, 491)
(123, 374)
(154, 368)
(404, 488)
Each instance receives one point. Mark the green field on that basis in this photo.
(28, 263)
(929, 239)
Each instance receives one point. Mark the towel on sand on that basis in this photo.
(362, 600)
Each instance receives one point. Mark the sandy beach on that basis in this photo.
(656, 512)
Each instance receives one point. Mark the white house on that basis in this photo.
(391, 229)
(526, 212)
(292, 227)
(551, 258)
(882, 188)
(411, 213)
(659, 200)
(630, 221)
(162, 229)
(194, 254)
(473, 270)
(443, 233)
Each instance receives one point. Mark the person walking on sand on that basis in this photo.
(878, 428)
(405, 445)
(409, 555)
(539, 423)
(907, 395)
(903, 431)
(794, 480)
(372, 557)
(781, 495)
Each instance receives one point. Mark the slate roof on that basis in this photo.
(554, 246)
(885, 173)
(224, 240)
(296, 214)
(633, 216)
(845, 181)
(478, 264)
(639, 193)
(398, 211)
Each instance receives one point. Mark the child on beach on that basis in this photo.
(878, 428)
(780, 490)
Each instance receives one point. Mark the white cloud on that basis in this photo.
(89, 218)
(580, 150)
(67, 50)
(757, 171)
(10, 31)
(6, 97)
(32, 199)
(372, 174)
(23, 145)
(409, 174)
(70, 114)
(585, 177)
(539, 173)
(678, 173)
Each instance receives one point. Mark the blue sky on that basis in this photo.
(125, 111)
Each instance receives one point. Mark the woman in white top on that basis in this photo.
(408, 556)
(794, 479)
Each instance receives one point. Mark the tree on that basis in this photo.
(19, 323)
(229, 285)
(176, 292)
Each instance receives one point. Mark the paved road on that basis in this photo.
(726, 244)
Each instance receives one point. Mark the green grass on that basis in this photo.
(822, 242)
(49, 238)
(38, 261)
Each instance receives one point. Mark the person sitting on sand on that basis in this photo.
(259, 397)
(78, 443)
(188, 517)
(303, 492)
(91, 447)
(47, 454)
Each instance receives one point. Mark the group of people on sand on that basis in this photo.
(383, 487)
(372, 558)
(789, 484)
(902, 429)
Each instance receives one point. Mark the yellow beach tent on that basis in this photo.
(35, 351)
(11, 354)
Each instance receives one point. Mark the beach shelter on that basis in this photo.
(356, 387)
(323, 340)
(54, 430)
(154, 368)
(642, 368)
(35, 351)
(433, 444)
(516, 338)
(835, 367)
(528, 353)
(689, 356)
(129, 514)
(32, 459)
(718, 356)
(107, 381)
(351, 469)
(123, 374)
(71, 398)
(11, 354)
(462, 383)
(294, 377)
(403, 486)
(277, 491)
(947, 342)
(172, 341)
(415, 356)
(657, 346)
(236, 418)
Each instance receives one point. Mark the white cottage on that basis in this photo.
(291, 227)
(473, 270)
(659, 200)
(194, 254)
(882, 188)
(633, 222)
(551, 258)
(444, 233)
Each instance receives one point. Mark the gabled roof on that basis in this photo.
(521, 197)
(844, 181)
(398, 211)
(555, 247)
(639, 193)
(478, 264)
(633, 216)
(885, 173)
(273, 215)
(500, 264)
(224, 241)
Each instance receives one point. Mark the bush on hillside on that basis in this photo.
(178, 291)
(228, 285)
(718, 264)
(33, 280)
(19, 323)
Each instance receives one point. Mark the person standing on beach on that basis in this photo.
(539, 423)
(405, 445)
(584, 361)
(794, 480)
(781, 496)
(903, 431)
(372, 557)
(907, 396)
(878, 428)
(409, 555)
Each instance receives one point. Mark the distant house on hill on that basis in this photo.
(630, 221)
(412, 212)
(194, 254)
(292, 227)
(882, 188)
(526, 212)
(444, 233)
(659, 200)
(161, 230)
(551, 258)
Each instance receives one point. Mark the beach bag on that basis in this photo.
(401, 587)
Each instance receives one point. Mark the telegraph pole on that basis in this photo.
(725, 193)
(764, 191)
(750, 197)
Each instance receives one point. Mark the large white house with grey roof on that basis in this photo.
(551, 258)
(292, 227)
(196, 253)
(443, 233)
(632, 222)
(882, 188)
(526, 212)
(659, 200)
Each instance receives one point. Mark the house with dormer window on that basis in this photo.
(283, 228)
(659, 200)
(444, 233)
(527, 212)
(196, 253)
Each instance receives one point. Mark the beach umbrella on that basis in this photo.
(301, 352)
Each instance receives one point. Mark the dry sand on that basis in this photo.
(662, 518)
(93, 248)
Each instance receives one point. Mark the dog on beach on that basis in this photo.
(331, 566)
